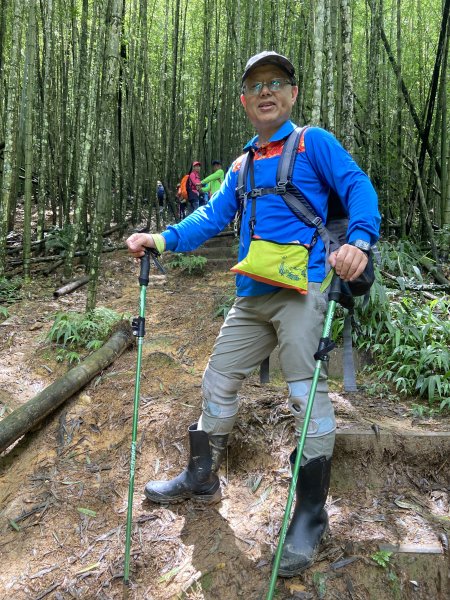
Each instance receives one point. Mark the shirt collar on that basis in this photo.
(282, 133)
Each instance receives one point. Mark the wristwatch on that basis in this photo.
(362, 245)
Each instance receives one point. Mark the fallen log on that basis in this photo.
(40, 259)
(70, 287)
(424, 288)
(435, 271)
(106, 233)
(21, 420)
(46, 272)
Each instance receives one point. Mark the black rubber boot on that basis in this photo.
(310, 520)
(218, 445)
(197, 482)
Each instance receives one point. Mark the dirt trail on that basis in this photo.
(63, 488)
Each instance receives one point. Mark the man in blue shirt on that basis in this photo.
(266, 312)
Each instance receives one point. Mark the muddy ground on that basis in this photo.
(51, 547)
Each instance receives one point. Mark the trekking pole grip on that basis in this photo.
(334, 292)
(144, 275)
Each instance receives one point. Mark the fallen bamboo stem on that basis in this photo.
(70, 287)
(435, 271)
(106, 233)
(424, 288)
(38, 259)
(52, 268)
(21, 420)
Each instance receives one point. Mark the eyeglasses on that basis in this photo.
(273, 86)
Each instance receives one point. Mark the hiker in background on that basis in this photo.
(160, 194)
(181, 203)
(268, 309)
(212, 183)
(194, 186)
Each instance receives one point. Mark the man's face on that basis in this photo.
(267, 111)
(216, 167)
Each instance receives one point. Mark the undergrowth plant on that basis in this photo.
(10, 290)
(382, 558)
(410, 344)
(407, 335)
(224, 303)
(58, 239)
(73, 332)
(191, 264)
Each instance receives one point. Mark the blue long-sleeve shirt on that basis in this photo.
(321, 163)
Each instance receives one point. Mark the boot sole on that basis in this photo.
(200, 498)
(293, 573)
(288, 574)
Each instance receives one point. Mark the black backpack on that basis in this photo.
(333, 233)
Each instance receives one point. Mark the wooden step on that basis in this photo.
(411, 571)
(377, 449)
(221, 264)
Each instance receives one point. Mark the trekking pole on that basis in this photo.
(325, 346)
(138, 325)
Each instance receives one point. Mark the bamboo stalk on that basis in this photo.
(106, 233)
(424, 210)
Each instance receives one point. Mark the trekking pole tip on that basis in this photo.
(126, 589)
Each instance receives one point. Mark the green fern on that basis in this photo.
(382, 558)
(191, 264)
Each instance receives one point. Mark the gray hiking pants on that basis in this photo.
(252, 329)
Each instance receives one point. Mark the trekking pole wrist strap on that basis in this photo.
(159, 241)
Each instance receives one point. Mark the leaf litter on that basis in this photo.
(221, 552)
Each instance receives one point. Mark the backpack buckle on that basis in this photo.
(240, 193)
(280, 188)
(317, 222)
(256, 192)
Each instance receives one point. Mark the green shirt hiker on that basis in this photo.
(212, 183)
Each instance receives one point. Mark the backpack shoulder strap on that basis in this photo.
(242, 176)
(292, 195)
(287, 158)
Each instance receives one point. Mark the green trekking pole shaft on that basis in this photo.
(320, 356)
(139, 332)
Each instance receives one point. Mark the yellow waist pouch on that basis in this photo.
(283, 265)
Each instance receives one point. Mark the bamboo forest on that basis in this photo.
(177, 421)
